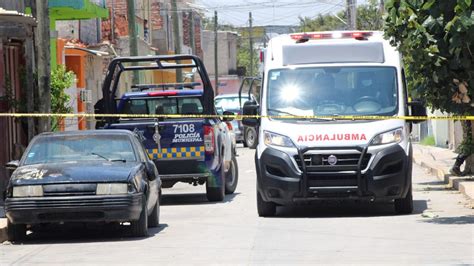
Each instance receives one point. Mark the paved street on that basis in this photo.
(196, 231)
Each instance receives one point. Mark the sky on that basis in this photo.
(269, 12)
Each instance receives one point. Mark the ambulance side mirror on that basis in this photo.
(250, 109)
(417, 109)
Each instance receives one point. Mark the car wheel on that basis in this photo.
(405, 205)
(16, 232)
(217, 193)
(154, 218)
(140, 227)
(232, 177)
(251, 137)
(264, 208)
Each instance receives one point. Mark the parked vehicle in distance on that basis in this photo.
(83, 176)
(188, 142)
(309, 147)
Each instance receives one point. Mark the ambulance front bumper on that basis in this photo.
(381, 176)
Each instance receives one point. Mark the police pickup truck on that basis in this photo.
(177, 120)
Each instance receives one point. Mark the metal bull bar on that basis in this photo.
(361, 183)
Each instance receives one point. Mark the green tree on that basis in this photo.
(437, 41)
(243, 58)
(61, 79)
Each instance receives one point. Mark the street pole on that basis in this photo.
(132, 33)
(176, 37)
(351, 14)
(191, 33)
(216, 71)
(44, 67)
(251, 44)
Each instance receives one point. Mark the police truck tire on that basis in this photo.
(16, 232)
(154, 218)
(264, 208)
(140, 227)
(405, 205)
(217, 193)
(232, 177)
(250, 137)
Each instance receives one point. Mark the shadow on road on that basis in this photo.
(191, 199)
(345, 209)
(84, 233)
(469, 219)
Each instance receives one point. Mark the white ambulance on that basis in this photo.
(309, 148)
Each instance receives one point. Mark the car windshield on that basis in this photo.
(172, 105)
(332, 91)
(54, 149)
(230, 103)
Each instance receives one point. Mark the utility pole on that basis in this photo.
(382, 12)
(191, 32)
(251, 44)
(176, 37)
(44, 67)
(351, 14)
(216, 74)
(132, 33)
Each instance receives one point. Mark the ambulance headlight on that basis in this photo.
(274, 139)
(393, 136)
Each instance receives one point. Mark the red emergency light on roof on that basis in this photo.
(334, 35)
(162, 93)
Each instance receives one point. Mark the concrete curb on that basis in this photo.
(464, 185)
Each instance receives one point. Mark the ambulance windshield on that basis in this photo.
(333, 91)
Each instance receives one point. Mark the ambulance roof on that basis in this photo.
(335, 47)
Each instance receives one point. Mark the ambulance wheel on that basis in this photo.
(250, 137)
(264, 208)
(232, 177)
(404, 205)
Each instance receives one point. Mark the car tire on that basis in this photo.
(217, 193)
(16, 232)
(140, 227)
(404, 205)
(251, 137)
(154, 218)
(232, 177)
(264, 208)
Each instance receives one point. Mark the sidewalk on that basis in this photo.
(438, 161)
(3, 224)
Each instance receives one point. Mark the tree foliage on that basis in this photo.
(61, 79)
(437, 41)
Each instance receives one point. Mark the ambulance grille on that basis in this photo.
(345, 162)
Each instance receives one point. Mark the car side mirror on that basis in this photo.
(13, 165)
(228, 116)
(250, 109)
(150, 170)
(417, 109)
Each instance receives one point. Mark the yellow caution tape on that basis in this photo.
(238, 117)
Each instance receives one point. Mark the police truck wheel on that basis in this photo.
(404, 205)
(264, 208)
(251, 137)
(217, 193)
(140, 227)
(232, 177)
(16, 232)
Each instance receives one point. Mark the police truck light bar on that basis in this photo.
(331, 35)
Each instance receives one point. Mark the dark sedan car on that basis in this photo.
(83, 176)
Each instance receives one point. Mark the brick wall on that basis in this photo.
(197, 32)
(119, 12)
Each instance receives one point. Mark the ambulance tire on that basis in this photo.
(232, 177)
(264, 208)
(404, 205)
(250, 137)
